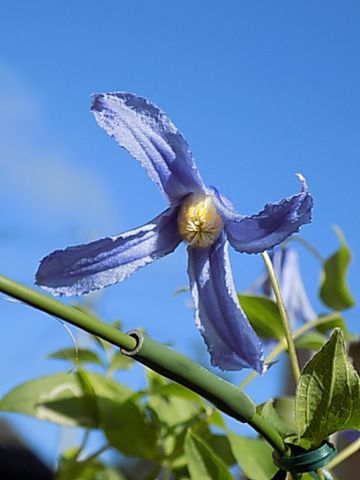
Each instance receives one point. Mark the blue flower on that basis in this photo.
(200, 215)
(287, 271)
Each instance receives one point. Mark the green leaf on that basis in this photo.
(120, 362)
(177, 390)
(264, 316)
(254, 457)
(128, 429)
(221, 446)
(203, 463)
(173, 410)
(328, 394)
(310, 340)
(334, 291)
(80, 356)
(75, 399)
(37, 397)
(332, 321)
(280, 413)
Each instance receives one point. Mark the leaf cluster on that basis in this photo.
(165, 429)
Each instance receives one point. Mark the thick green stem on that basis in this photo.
(160, 358)
(284, 317)
(228, 398)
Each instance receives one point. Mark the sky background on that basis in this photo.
(261, 91)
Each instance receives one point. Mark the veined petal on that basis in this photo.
(150, 137)
(257, 233)
(84, 268)
(287, 270)
(230, 339)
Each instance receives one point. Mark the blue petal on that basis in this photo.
(230, 339)
(85, 268)
(150, 137)
(287, 270)
(257, 233)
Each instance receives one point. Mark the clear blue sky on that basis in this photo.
(261, 90)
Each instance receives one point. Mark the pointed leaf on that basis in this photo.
(203, 463)
(82, 355)
(254, 457)
(264, 316)
(37, 397)
(328, 394)
(334, 291)
(310, 340)
(336, 320)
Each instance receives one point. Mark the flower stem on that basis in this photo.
(344, 454)
(284, 317)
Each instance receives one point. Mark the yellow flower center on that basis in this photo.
(198, 221)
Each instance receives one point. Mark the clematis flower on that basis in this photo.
(197, 214)
(287, 271)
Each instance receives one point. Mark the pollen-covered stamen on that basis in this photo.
(198, 221)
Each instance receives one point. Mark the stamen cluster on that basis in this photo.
(198, 221)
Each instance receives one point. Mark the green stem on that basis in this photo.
(228, 398)
(260, 425)
(277, 350)
(281, 345)
(289, 340)
(344, 454)
(320, 474)
(169, 363)
(315, 323)
(83, 443)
